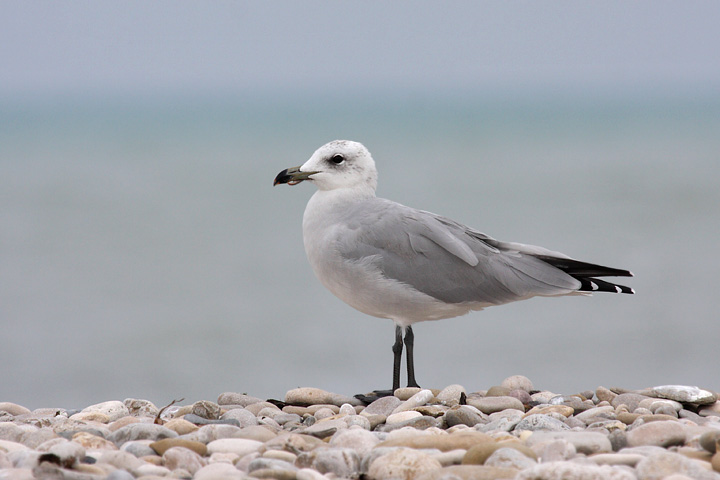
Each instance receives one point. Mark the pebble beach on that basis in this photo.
(509, 431)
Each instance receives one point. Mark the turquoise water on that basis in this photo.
(144, 253)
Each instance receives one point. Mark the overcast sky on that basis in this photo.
(284, 47)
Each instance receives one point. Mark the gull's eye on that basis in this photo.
(337, 159)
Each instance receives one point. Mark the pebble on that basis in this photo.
(540, 421)
(494, 404)
(450, 395)
(462, 415)
(403, 463)
(502, 432)
(659, 433)
(518, 382)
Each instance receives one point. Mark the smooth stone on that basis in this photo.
(263, 463)
(308, 396)
(208, 433)
(206, 409)
(241, 399)
(325, 428)
(140, 431)
(347, 409)
(93, 442)
(362, 441)
(198, 420)
(402, 417)
(383, 406)
(584, 442)
(418, 423)
(453, 457)
(255, 432)
(294, 442)
(576, 403)
(323, 413)
(161, 446)
(450, 395)
(712, 410)
(432, 410)
(518, 382)
(219, 471)
(631, 400)
(124, 421)
(358, 420)
(141, 408)
(460, 440)
(629, 459)
(555, 450)
(181, 426)
(97, 417)
(521, 395)
(180, 457)
(510, 458)
(497, 391)
(342, 462)
(543, 397)
(238, 446)
(283, 418)
(404, 393)
(504, 421)
(274, 474)
(488, 405)
(541, 422)
(13, 408)
(120, 475)
(35, 438)
(574, 471)
(419, 399)
(114, 409)
(139, 448)
(683, 393)
(563, 410)
(661, 434)
(708, 440)
(119, 459)
(654, 404)
(478, 454)
(255, 408)
(339, 400)
(309, 474)
(280, 455)
(591, 415)
(715, 462)
(462, 415)
(665, 463)
(402, 463)
(605, 395)
(470, 472)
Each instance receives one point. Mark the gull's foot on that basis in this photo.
(368, 398)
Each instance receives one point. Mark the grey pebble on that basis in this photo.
(539, 421)
(241, 399)
(462, 415)
(342, 462)
(382, 406)
(584, 442)
(198, 420)
(140, 431)
(509, 458)
(243, 417)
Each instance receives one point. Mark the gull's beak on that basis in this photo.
(292, 176)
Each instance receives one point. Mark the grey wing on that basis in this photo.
(447, 260)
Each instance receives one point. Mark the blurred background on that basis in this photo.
(144, 252)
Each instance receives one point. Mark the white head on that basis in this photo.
(338, 164)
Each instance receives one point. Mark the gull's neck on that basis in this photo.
(325, 201)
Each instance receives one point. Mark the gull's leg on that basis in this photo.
(397, 349)
(409, 342)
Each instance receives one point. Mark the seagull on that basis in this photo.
(392, 261)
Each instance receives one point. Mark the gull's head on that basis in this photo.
(338, 164)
